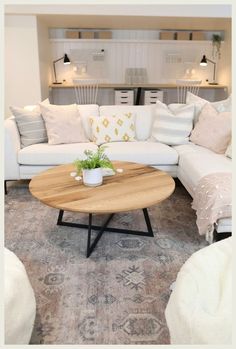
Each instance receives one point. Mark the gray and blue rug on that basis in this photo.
(119, 294)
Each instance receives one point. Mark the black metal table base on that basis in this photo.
(103, 228)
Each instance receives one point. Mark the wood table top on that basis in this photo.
(137, 187)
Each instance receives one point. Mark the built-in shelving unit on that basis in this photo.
(174, 42)
(164, 60)
(117, 34)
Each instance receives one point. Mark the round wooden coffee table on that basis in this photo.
(137, 187)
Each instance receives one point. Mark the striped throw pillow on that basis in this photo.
(172, 125)
(30, 125)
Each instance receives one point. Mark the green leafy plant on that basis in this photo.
(216, 45)
(93, 160)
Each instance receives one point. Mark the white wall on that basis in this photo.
(22, 75)
(45, 60)
(154, 55)
(124, 9)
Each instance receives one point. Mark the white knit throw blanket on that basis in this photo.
(212, 201)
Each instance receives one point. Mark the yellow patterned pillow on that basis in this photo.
(115, 128)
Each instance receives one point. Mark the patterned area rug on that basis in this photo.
(119, 294)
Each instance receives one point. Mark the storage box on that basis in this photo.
(183, 36)
(72, 34)
(104, 34)
(167, 35)
(198, 36)
(86, 35)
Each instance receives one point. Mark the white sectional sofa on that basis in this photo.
(187, 162)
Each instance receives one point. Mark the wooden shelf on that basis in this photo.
(175, 42)
(142, 85)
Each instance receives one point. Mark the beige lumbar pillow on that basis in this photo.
(63, 124)
(213, 129)
(113, 128)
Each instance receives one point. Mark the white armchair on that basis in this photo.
(19, 301)
(199, 310)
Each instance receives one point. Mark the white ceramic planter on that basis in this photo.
(92, 178)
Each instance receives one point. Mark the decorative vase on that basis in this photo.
(92, 178)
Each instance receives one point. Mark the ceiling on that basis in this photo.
(133, 22)
(128, 16)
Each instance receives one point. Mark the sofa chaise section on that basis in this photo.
(195, 162)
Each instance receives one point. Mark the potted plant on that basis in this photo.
(216, 45)
(91, 167)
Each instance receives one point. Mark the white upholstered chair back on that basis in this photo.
(86, 91)
(184, 85)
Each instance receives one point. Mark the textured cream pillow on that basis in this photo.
(63, 124)
(213, 129)
(113, 128)
(172, 125)
(199, 103)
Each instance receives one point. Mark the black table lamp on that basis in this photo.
(66, 61)
(204, 63)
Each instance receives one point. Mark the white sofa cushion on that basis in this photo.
(149, 153)
(196, 162)
(144, 117)
(45, 154)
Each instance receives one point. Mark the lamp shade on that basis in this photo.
(66, 59)
(203, 61)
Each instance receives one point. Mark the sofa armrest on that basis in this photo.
(11, 148)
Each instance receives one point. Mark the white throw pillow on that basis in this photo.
(172, 126)
(113, 128)
(36, 107)
(86, 111)
(63, 124)
(199, 103)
